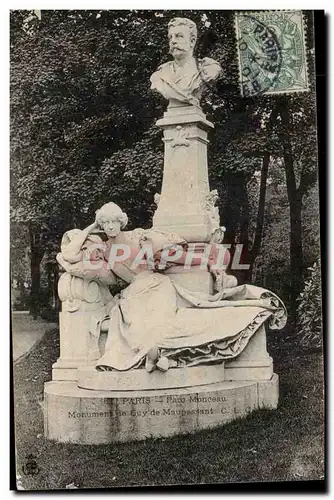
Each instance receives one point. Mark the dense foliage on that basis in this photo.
(309, 310)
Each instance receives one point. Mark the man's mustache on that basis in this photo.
(176, 47)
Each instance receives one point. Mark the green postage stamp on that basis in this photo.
(271, 52)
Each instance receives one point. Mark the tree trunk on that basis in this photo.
(242, 275)
(260, 215)
(296, 247)
(236, 220)
(244, 216)
(295, 207)
(230, 212)
(36, 255)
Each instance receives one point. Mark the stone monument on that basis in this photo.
(183, 347)
(186, 205)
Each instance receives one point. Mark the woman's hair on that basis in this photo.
(111, 211)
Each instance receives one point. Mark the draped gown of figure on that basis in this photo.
(188, 327)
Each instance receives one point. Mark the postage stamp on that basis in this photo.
(271, 52)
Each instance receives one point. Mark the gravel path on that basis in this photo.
(26, 332)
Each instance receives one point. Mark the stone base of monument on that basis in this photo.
(136, 380)
(83, 416)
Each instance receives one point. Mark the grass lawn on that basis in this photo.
(286, 444)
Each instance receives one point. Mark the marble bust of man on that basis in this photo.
(182, 80)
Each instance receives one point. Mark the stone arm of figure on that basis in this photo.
(216, 254)
(83, 256)
(98, 271)
(195, 261)
(105, 322)
(73, 251)
(218, 261)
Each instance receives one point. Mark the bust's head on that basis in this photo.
(111, 219)
(182, 36)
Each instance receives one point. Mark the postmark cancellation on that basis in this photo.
(271, 52)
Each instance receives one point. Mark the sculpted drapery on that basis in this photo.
(155, 322)
(154, 314)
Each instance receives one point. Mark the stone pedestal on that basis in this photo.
(185, 187)
(193, 279)
(184, 206)
(85, 406)
(76, 346)
(254, 363)
(83, 302)
(105, 407)
(89, 378)
(84, 416)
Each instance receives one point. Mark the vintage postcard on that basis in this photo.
(165, 249)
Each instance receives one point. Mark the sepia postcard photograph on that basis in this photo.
(165, 254)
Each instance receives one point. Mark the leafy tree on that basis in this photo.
(309, 324)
